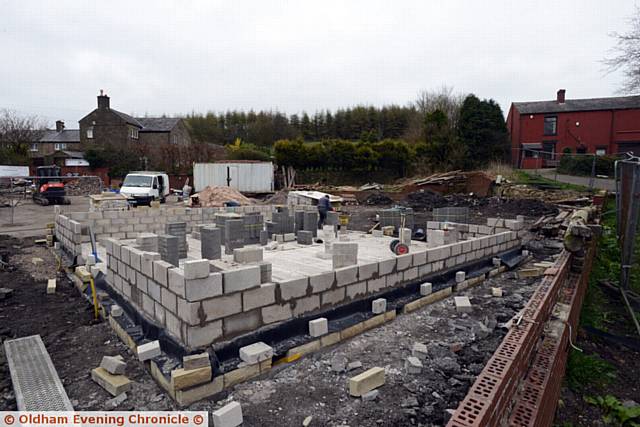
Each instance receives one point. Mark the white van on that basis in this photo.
(141, 188)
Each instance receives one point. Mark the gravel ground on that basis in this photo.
(316, 386)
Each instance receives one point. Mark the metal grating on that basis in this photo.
(35, 380)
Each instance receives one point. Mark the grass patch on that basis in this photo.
(588, 370)
(522, 177)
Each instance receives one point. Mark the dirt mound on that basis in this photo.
(279, 198)
(212, 196)
(378, 199)
(489, 206)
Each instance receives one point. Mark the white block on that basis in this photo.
(196, 269)
(116, 311)
(413, 365)
(149, 350)
(463, 305)
(496, 262)
(255, 353)
(496, 292)
(420, 351)
(229, 415)
(460, 276)
(51, 286)
(379, 306)
(426, 288)
(318, 327)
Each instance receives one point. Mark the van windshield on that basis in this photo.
(137, 181)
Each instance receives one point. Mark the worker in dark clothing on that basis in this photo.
(324, 206)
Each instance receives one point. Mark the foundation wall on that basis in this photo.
(199, 311)
(71, 227)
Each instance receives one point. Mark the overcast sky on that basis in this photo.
(155, 57)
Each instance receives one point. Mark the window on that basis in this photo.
(175, 139)
(34, 147)
(550, 125)
(90, 133)
(133, 133)
(601, 151)
(60, 146)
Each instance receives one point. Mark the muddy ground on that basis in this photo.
(312, 386)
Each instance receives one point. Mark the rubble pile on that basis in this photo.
(83, 186)
(212, 196)
(378, 199)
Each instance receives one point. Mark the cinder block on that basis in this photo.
(463, 305)
(199, 289)
(460, 276)
(51, 286)
(176, 281)
(413, 365)
(256, 353)
(113, 365)
(321, 282)
(149, 350)
(223, 306)
(200, 336)
(387, 266)
(294, 288)
(276, 313)
(182, 378)
(229, 415)
(305, 237)
(196, 269)
(318, 327)
(196, 361)
(496, 292)
(332, 297)
(160, 269)
(259, 297)
(367, 271)
(346, 275)
(114, 384)
(344, 254)
(246, 321)
(305, 305)
(379, 306)
(241, 279)
(366, 381)
(426, 288)
(248, 255)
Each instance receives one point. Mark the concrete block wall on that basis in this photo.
(199, 308)
(127, 224)
(470, 231)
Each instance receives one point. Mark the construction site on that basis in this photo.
(451, 300)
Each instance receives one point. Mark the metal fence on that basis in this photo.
(628, 226)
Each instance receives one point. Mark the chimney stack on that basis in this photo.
(103, 101)
(59, 125)
(560, 97)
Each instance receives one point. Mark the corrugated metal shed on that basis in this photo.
(246, 177)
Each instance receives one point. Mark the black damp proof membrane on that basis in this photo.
(294, 332)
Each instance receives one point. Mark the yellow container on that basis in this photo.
(344, 219)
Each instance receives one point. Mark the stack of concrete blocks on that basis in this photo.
(253, 224)
(199, 307)
(344, 254)
(179, 229)
(264, 237)
(298, 220)
(169, 249)
(311, 223)
(197, 228)
(127, 224)
(211, 242)
(305, 237)
(147, 242)
(393, 217)
(233, 235)
(283, 222)
(405, 236)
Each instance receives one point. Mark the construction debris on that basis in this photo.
(212, 196)
(51, 286)
(366, 381)
(115, 365)
(5, 293)
(114, 384)
(229, 415)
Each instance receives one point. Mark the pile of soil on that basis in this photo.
(83, 186)
(378, 199)
(498, 206)
(213, 196)
(427, 200)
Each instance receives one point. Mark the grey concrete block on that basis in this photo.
(379, 306)
(241, 279)
(259, 297)
(276, 313)
(248, 255)
(149, 350)
(223, 306)
(256, 353)
(321, 282)
(196, 269)
(208, 287)
(294, 288)
(305, 237)
(113, 365)
(229, 415)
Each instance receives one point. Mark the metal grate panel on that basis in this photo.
(35, 380)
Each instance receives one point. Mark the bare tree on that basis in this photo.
(17, 131)
(626, 55)
(442, 99)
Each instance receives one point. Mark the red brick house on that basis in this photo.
(541, 131)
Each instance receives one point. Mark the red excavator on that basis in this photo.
(49, 187)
